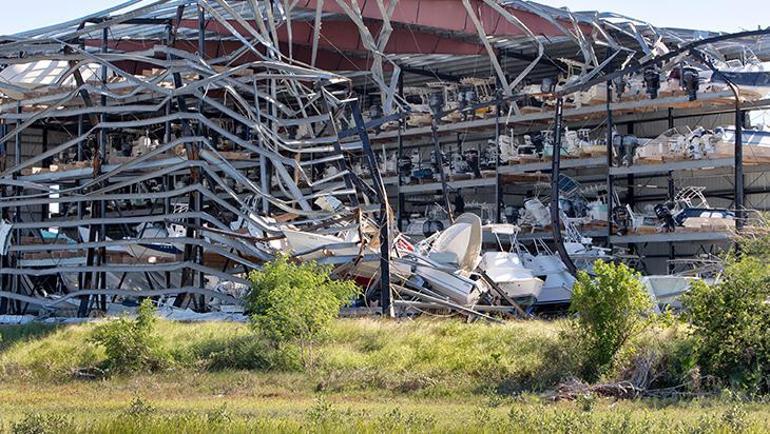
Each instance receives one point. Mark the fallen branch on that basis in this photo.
(574, 388)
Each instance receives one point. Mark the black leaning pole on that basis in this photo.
(382, 196)
(610, 153)
(555, 217)
(739, 119)
(436, 115)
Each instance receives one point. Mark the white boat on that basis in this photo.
(507, 271)
(542, 277)
(459, 244)
(558, 284)
(756, 143)
(665, 290)
(301, 242)
(458, 289)
(310, 246)
(147, 250)
(584, 254)
(753, 75)
(158, 250)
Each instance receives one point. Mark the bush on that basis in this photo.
(610, 308)
(131, 345)
(35, 423)
(250, 353)
(294, 304)
(139, 408)
(662, 357)
(730, 324)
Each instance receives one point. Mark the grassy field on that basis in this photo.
(369, 376)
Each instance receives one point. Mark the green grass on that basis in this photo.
(430, 357)
(367, 376)
(248, 402)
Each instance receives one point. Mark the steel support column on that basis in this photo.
(610, 152)
(17, 210)
(102, 257)
(440, 166)
(498, 184)
(199, 257)
(44, 209)
(399, 157)
(739, 180)
(4, 278)
(555, 216)
(379, 187)
(630, 181)
(671, 189)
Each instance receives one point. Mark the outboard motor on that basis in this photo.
(437, 161)
(625, 148)
(537, 143)
(663, 213)
(548, 85)
(652, 82)
(405, 169)
(528, 147)
(467, 97)
(620, 86)
(463, 101)
(471, 158)
(431, 227)
(375, 111)
(436, 103)
(125, 149)
(579, 207)
(690, 82)
(511, 214)
(622, 219)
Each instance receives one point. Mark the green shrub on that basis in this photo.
(36, 423)
(253, 353)
(610, 308)
(730, 323)
(294, 304)
(131, 345)
(139, 408)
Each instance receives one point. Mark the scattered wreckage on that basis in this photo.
(164, 149)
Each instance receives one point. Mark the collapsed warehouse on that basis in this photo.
(164, 149)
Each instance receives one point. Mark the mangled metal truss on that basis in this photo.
(175, 213)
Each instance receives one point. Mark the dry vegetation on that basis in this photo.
(368, 376)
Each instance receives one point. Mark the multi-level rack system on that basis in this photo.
(652, 116)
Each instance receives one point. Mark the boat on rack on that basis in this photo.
(309, 245)
(753, 75)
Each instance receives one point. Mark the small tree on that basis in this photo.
(131, 344)
(611, 307)
(731, 324)
(295, 304)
